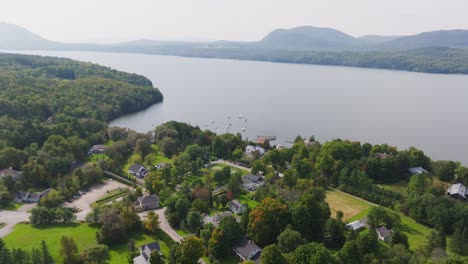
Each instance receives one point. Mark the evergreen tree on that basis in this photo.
(349, 254)
(46, 257)
(5, 256)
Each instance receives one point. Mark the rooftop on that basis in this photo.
(383, 231)
(248, 250)
(458, 188)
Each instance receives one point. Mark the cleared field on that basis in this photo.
(416, 232)
(398, 187)
(348, 204)
(28, 237)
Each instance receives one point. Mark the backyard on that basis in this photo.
(28, 237)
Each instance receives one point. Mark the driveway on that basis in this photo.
(231, 164)
(11, 218)
(95, 192)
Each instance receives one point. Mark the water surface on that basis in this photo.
(428, 111)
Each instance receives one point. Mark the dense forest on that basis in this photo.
(431, 60)
(53, 109)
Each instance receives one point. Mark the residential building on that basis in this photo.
(355, 226)
(145, 253)
(237, 207)
(246, 249)
(96, 149)
(458, 191)
(138, 170)
(215, 219)
(29, 197)
(383, 233)
(11, 172)
(251, 151)
(147, 202)
(417, 170)
(252, 182)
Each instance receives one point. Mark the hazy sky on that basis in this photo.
(119, 20)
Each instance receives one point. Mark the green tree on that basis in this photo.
(191, 249)
(313, 253)
(68, 250)
(156, 258)
(151, 224)
(272, 255)
(267, 221)
(95, 254)
(334, 234)
(349, 254)
(289, 240)
(46, 257)
(399, 237)
(459, 243)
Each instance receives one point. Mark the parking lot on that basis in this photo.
(93, 194)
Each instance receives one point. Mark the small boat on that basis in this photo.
(212, 122)
(243, 129)
(240, 116)
(246, 120)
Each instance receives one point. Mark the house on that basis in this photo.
(162, 165)
(11, 172)
(96, 149)
(147, 202)
(381, 155)
(383, 233)
(458, 191)
(355, 226)
(237, 207)
(28, 197)
(309, 143)
(215, 219)
(145, 253)
(138, 170)
(252, 182)
(246, 249)
(250, 151)
(280, 146)
(417, 170)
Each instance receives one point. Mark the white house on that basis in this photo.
(251, 150)
(145, 253)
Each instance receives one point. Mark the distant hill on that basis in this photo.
(443, 51)
(309, 38)
(374, 39)
(441, 38)
(20, 38)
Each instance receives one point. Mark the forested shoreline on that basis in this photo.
(54, 109)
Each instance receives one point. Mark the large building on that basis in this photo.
(146, 202)
(145, 253)
(458, 191)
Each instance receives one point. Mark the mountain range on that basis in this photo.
(443, 51)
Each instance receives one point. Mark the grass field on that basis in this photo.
(399, 187)
(111, 196)
(28, 237)
(358, 209)
(11, 206)
(351, 206)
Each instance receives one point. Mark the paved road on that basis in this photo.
(11, 218)
(166, 227)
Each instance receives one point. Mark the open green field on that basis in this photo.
(348, 204)
(416, 232)
(11, 206)
(28, 237)
(220, 166)
(399, 187)
(359, 209)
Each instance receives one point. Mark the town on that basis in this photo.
(165, 197)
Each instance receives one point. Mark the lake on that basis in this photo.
(428, 111)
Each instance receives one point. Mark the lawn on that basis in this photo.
(11, 206)
(28, 237)
(359, 208)
(416, 232)
(246, 200)
(351, 206)
(96, 157)
(398, 187)
(183, 232)
(111, 196)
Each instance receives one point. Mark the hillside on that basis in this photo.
(54, 109)
(431, 52)
(442, 38)
(309, 38)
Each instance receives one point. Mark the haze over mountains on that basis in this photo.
(444, 51)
